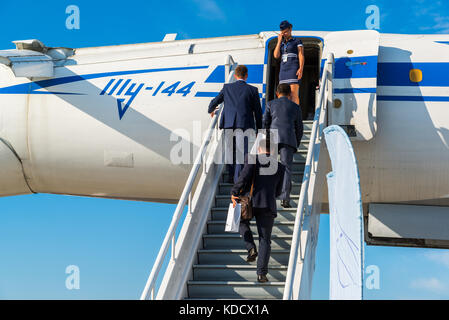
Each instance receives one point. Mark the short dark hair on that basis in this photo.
(241, 71)
(283, 89)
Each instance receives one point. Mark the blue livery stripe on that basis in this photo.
(413, 98)
(355, 90)
(28, 88)
(210, 94)
(53, 92)
(255, 74)
(206, 94)
(435, 74)
(357, 67)
(217, 76)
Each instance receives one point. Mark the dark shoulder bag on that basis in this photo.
(245, 201)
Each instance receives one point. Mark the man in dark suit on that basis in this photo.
(267, 186)
(241, 110)
(285, 116)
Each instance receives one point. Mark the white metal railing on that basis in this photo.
(186, 196)
(303, 203)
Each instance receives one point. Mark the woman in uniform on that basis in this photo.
(291, 52)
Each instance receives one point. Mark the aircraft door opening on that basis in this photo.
(310, 78)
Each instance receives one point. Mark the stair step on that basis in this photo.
(235, 289)
(279, 227)
(225, 272)
(221, 271)
(304, 144)
(224, 299)
(301, 155)
(306, 135)
(235, 241)
(307, 124)
(225, 188)
(238, 256)
(220, 213)
(225, 200)
(296, 176)
(297, 167)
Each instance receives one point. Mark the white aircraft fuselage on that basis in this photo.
(102, 124)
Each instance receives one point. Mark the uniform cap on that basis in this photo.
(285, 25)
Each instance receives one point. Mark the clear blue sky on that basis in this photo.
(113, 242)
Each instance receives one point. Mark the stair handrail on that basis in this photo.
(186, 196)
(303, 203)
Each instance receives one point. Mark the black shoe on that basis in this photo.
(285, 203)
(262, 278)
(252, 255)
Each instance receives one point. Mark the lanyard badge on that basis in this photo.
(284, 56)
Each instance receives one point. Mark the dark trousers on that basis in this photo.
(238, 161)
(286, 153)
(264, 220)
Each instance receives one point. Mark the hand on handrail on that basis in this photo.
(212, 114)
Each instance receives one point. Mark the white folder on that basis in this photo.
(233, 219)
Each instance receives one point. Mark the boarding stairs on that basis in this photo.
(208, 263)
(221, 270)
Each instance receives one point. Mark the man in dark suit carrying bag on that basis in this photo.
(284, 116)
(264, 176)
(241, 110)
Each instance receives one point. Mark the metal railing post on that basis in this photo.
(189, 203)
(186, 197)
(330, 87)
(296, 246)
